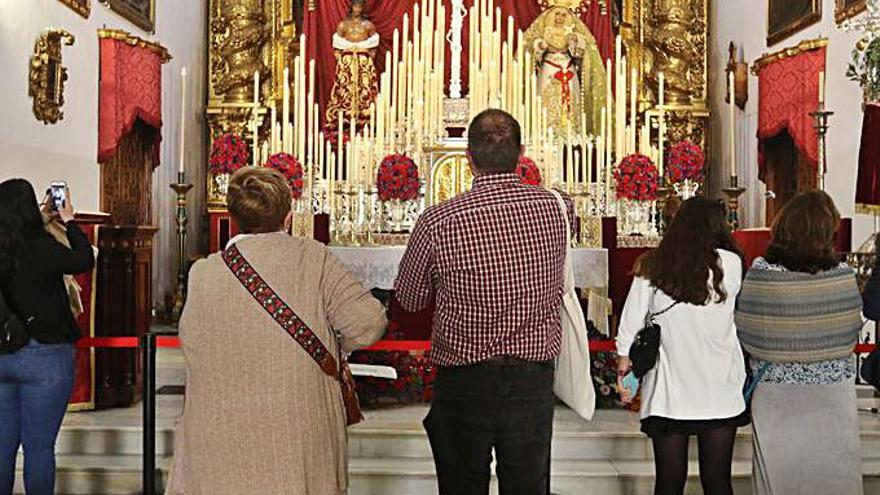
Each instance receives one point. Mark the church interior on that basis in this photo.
(144, 108)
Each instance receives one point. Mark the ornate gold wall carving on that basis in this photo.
(237, 31)
(238, 35)
(671, 36)
(47, 76)
(678, 41)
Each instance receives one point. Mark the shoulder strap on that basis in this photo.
(649, 317)
(279, 310)
(568, 284)
(564, 209)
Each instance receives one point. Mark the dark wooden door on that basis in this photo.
(786, 173)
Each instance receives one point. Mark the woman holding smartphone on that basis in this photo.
(36, 380)
(690, 283)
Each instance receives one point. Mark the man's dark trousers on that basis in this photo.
(480, 407)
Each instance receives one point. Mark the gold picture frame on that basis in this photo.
(142, 13)
(787, 17)
(81, 7)
(845, 9)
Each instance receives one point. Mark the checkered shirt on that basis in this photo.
(492, 260)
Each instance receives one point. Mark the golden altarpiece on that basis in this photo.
(658, 36)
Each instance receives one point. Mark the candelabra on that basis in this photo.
(821, 117)
(181, 188)
(733, 193)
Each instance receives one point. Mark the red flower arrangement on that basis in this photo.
(291, 169)
(229, 152)
(528, 171)
(398, 178)
(415, 374)
(637, 178)
(685, 162)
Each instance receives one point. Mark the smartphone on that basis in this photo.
(58, 193)
(632, 383)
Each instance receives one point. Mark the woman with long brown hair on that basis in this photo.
(798, 316)
(36, 376)
(689, 286)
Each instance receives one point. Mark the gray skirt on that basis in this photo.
(806, 440)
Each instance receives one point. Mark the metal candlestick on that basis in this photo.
(821, 117)
(181, 188)
(663, 194)
(733, 193)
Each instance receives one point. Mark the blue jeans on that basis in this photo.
(35, 385)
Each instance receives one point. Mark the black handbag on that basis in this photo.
(645, 349)
(870, 370)
(13, 331)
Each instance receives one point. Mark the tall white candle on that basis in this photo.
(620, 126)
(661, 140)
(732, 123)
(255, 151)
(182, 119)
(588, 176)
(822, 86)
(274, 135)
(285, 113)
(634, 93)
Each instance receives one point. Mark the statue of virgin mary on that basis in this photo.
(571, 75)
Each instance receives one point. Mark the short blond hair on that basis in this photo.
(258, 199)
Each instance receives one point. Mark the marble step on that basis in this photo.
(120, 475)
(371, 441)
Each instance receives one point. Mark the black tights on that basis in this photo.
(716, 454)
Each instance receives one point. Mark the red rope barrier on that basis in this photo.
(169, 341)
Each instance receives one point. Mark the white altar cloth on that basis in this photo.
(377, 268)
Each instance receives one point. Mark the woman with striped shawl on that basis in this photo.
(799, 316)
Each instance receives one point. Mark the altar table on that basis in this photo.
(377, 268)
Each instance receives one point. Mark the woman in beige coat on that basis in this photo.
(260, 415)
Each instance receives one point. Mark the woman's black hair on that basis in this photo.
(20, 220)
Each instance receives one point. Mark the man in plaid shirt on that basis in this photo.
(492, 261)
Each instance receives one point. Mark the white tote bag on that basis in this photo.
(573, 384)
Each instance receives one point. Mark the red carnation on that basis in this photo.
(229, 152)
(528, 171)
(397, 178)
(636, 178)
(291, 169)
(685, 161)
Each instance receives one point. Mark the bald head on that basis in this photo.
(494, 141)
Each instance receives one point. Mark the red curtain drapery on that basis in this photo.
(868, 181)
(130, 89)
(788, 92)
(320, 22)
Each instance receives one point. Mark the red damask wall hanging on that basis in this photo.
(130, 89)
(788, 92)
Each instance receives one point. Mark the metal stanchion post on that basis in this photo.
(148, 347)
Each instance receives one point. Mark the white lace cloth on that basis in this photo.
(377, 268)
